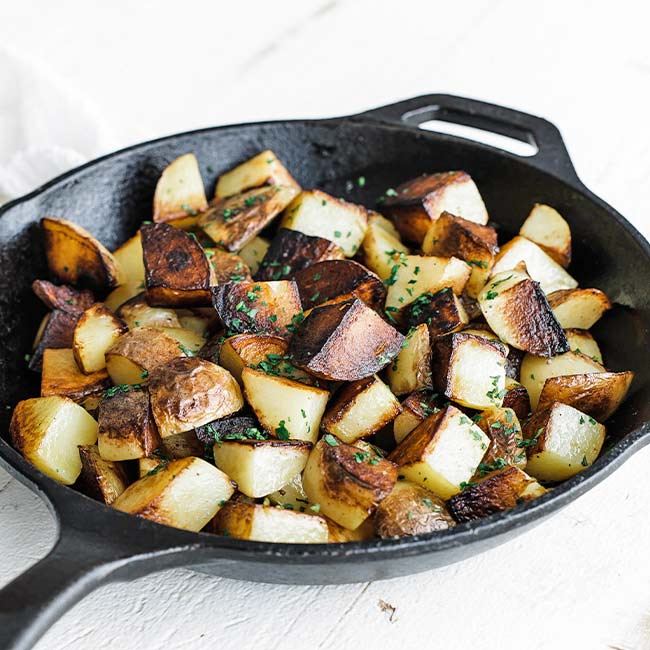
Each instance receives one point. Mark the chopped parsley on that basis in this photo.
(282, 432)
(330, 440)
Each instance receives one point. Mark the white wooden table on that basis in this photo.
(580, 581)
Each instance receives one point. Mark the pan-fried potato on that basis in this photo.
(502, 427)
(56, 331)
(189, 341)
(288, 409)
(232, 223)
(344, 341)
(411, 510)
(177, 270)
(413, 205)
(227, 267)
(185, 493)
(346, 482)
(135, 354)
(579, 308)
(258, 307)
(269, 524)
(416, 408)
(292, 496)
(61, 376)
(182, 445)
(469, 369)
(338, 534)
(583, 341)
(197, 323)
(136, 312)
(96, 331)
(498, 491)
(338, 280)
(381, 248)
(410, 371)
(188, 392)
(179, 192)
(442, 312)
(63, 297)
(561, 441)
(292, 250)
(546, 227)
(475, 244)
(536, 370)
(442, 453)
(597, 394)
(414, 275)
(263, 169)
(101, 479)
(129, 258)
(541, 268)
(126, 427)
(253, 253)
(121, 294)
(517, 310)
(360, 409)
(321, 215)
(75, 257)
(516, 398)
(47, 431)
(260, 467)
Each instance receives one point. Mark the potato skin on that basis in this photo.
(146, 347)
(441, 311)
(231, 424)
(227, 267)
(58, 333)
(100, 479)
(517, 399)
(61, 376)
(63, 297)
(502, 427)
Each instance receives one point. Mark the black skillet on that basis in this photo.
(112, 195)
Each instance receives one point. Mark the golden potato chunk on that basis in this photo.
(101, 479)
(121, 294)
(502, 427)
(546, 227)
(583, 341)
(579, 308)
(136, 312)
(381, 248)
(253, 253)
(410, 371)
(416, 408)
(129, 258)
(442, 312)
(96, 331)
(61, 376)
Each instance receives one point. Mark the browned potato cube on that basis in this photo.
(126, 426)
(496, 492)
(338, 534)
(416, 408)
(360, 409)
(582, 341)
(451, 236)
(338, 280)
(96, 331)
(410, 371)
(381, 248)
(344, 341)
(579, 308)
(413, 205)
(182, 445)
(516, 398)
(502, 427)
(56, 331)
(546, 227)
(74, 256)
(258, 307)
(442, 312)
(61, 376)
(63, 297)
(136, 312)
(177, 270)
(188, 392)
(227, 267)
(101, 479)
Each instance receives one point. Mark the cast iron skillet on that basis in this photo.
(112, 195)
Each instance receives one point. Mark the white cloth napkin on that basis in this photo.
(46, 127)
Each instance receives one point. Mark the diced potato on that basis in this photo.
(498, 491)
(536, 370)
(338, 534)
(263, 169)
(546, 227)
(516, 398)
(96, 331)
(185, 493)
(346, 482)
(74, 256)
(226, 267)
(47, 431)
(147, 465)
(442, 453)
(411, 368)
(442, 312)
(321, 215)
(260, 467)
(56, 331)
(188, 392)
(415, 408)
(502, 427)
(61, 376)
(469, 369)
(101, 479)
(327, 342)
(360, 409)
(541, 268)
(136, 312)
(121, 294)
(416, 274)
(382, 247)
(292, 495)
(196, 323)
(517, 310)
(562, 441)
(129, 258)
(598, 394)
(253, 253)
(579, 308)
(288, 409)
(179, 192)
(583, 341)
(189, 341)
(270, 524)
(62, 297)
(418, 202)
(182, 445)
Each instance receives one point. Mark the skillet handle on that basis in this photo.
(552, 155)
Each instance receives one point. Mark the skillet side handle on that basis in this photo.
(552, 155)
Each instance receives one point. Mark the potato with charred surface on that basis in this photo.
(496, 492)
(136, 312)
(63, 297)
(441, 311)
(346, 482)
(546, 227)
(344, 341)
(411, 510)
(185, 493)
(502, 427)
(101, 479)
(75, 257)
(579, 308)
(56, 331)
(227, 267)
(516, 398)
(517, 310)
(381, 248)
(258, 307)
(477, 245)
(360, 409)
(61, 376)
(411, 369)
(415, 408)
(561, 442)
(269, 524)
(47, 431)
(177, 271)
(96, 331)
(338, 280)
(414, 205)
(188, 392)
